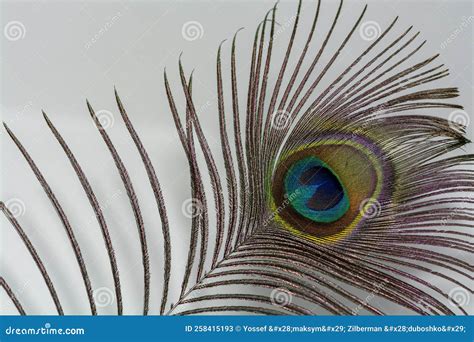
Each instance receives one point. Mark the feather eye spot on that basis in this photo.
(326, 189)
(316, 192)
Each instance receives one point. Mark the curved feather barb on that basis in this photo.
(334, 191)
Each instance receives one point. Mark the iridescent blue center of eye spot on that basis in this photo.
(314, 191)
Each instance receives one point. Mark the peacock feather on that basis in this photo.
(325, 196)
